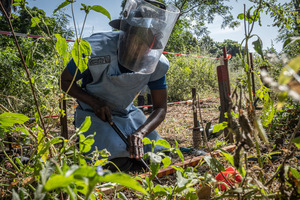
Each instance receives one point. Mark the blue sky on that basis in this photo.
(97, 22)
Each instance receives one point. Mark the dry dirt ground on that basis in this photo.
(179, 122)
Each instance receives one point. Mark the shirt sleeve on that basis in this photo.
(158, 84)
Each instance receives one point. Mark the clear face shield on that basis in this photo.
(145, 30)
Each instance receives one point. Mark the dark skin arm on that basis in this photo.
(100, 109)
(159, 99)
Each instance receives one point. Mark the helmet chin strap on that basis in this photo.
(157, 3)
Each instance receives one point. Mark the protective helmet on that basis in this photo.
(145, 28)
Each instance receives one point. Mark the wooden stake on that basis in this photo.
(196, 129)
(224, 90)
(64, 119)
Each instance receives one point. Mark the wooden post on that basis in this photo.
(226, 73)
(64, 119)
(196, 129)
(224, 90)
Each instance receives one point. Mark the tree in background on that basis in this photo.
(38, 53)
(287, 18)
(181, 40)
(200, 12)
(194, 14)
(23, 23)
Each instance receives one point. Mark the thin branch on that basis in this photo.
(26, 69)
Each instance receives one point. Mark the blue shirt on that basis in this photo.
(87, 78)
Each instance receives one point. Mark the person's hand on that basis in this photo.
(102, 111)
(136, 147)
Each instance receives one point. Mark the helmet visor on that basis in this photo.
(145, 30)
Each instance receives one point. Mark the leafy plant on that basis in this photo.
(52, 158)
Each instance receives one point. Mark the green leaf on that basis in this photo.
(57, 140)
(80, 52)
(85, 143)
(214, 164)
(104, 153)
(64, 4)
(122, 196)
(261, 130)
(18, 161)
(29, 61)
(82, 161)
(35, 21)
(58, 181)
(281, 97)
(100, 162)
(146, 141)
(295, 173)
(84, 148)
(85, 125)
(219, 127)
(122, 179)
(62, 48)
(227, 156)
(163, 143)
(158, 189)
(89, 140)
(102, 10)
(81, 138)
(154, 169)
(179, 153)
(166, 161)
(177, 168)
(268, 113)
(258, 47)
(22, 130)
(82, 187)
(19, 3)
(85, 8)
(9, 119)
(241, 16)
(296, 141)
(287, 73)
(85, 171)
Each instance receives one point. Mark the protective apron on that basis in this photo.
(118, 90)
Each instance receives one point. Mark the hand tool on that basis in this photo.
(123, 137)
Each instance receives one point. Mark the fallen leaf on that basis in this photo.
(13, 184)
(204, 192)
(28, 180)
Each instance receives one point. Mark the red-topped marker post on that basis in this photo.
(224, 90)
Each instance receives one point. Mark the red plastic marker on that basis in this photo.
(231, 175)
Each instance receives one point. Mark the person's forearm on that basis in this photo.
(153, 121)
(77, 92)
